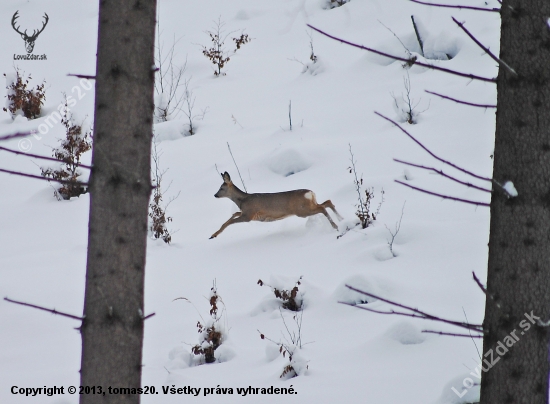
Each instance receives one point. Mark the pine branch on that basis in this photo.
(462, 102)
(444, 175)
(495, 58)
(411, 61)
(40, 157)
(452, 198)
(54, 311)
(494, 10)
(432, 154)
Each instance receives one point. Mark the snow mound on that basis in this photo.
(406, 333)
(464, 389)
(288, 162)
(346, 295)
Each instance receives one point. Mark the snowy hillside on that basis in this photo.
(351, 355)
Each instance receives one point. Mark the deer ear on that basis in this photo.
(226, 177)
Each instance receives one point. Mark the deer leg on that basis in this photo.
(329, 204)
(236, 218)
(321, 209)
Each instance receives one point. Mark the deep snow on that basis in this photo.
(353, 356)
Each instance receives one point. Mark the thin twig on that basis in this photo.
(462, 102)
(483, 289)
(494, 10)
(82, 76)
(401, 42)
(236, 167)
(40, 157)
(477, 327)
(491, 54)
(452, 198)
(36, 177)
(466, 318)
(444, 175)
(54, 311)
(410, 61)
(432, 154)
(148, 316)
(452, 334)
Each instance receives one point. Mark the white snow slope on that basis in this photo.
(352, 355)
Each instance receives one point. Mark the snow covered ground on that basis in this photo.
(352, 355)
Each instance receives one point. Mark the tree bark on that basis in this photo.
(518, 281)
(120, 187)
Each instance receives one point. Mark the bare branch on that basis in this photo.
(418, 37)
(431, 154)
(36, 177)
(54, 311)
(452, 198)
(14, 136)
(411, 61)
(491, 54)
(444, 175)
(494, 10)
(148, 316)
(461, 102)
(39, 157)
(82, 76)
(452, 334)
(483, 289)
(419, 313)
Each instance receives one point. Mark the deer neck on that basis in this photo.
(238, 196)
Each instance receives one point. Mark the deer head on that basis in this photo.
(29, 39)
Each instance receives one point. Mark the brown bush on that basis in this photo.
(23, 98)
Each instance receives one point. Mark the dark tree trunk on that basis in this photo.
(518, 279)
(112, 331)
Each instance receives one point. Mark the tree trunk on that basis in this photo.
(112, 331)
(518, 280)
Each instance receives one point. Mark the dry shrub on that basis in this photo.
(291, 300)
(23, 99)
(211, 333)
(75, 144)
(217, 53)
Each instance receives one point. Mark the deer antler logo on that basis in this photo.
(29, 39)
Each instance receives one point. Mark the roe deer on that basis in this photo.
(270, 207)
